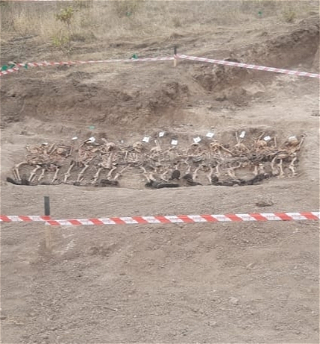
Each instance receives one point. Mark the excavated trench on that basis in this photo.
(131, 101)
(242, 157)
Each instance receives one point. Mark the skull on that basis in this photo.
(110, 146)
(214, 145)
(292, 141)
(260, 144)
(61, 150)
(137, 146)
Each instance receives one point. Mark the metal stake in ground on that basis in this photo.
(175, 56)
(47, 230)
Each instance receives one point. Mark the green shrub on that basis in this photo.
(62, 41)
(65, 15)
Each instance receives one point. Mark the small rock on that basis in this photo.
(264, 203)
(3, 317)
(234, 300)
(251, 265)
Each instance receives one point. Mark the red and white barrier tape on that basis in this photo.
(249, 66)
(69, 63)
(166, 219)
(8, 71)
(20, 218)
(152, 59)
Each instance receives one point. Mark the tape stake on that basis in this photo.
(46, 206)
(175, 56)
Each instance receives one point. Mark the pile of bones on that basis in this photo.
(104, 163)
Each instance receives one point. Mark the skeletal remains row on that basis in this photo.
(160, 166)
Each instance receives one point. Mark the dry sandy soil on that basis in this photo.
(177, 283)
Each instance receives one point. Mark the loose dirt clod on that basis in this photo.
(264, 203)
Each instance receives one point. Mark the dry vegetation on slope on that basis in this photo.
(62, 25)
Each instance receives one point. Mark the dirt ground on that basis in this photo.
(173, 283)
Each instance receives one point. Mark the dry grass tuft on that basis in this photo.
(289, 15)
(127, 8)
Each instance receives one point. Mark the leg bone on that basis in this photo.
(281, 175)
(33, 173)
(55, 177)
(68, 173)
(292, 168)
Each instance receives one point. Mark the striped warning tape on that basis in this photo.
(249, 66)
(166, 219)
(16, 218)
(8, 71)
(152, 59)
(70, 63)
